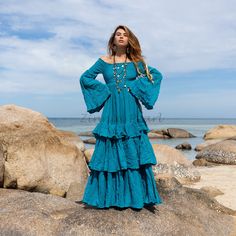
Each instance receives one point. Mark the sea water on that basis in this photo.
(196, 126)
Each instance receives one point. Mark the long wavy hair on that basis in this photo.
(133, 50)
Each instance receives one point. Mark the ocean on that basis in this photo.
(196, 126)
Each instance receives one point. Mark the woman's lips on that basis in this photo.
(121, 41)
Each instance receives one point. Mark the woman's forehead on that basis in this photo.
(120, 31)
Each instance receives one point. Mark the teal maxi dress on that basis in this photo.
(121, 165)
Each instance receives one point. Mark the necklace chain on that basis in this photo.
(117, 76)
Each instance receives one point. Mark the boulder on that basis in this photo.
(179, 133)
(184, 146)
(88, 154)
(184, 211)
(172, 163)
(73, 138)
(203, 162)
(157, 131)
(166, 154)
(38, 157)
(2, 162)
(220, 132)
(185, 175)
(90, 141)
(153, 135)
(158, 134)
(200, 146)
(221, 152)
(172, 133)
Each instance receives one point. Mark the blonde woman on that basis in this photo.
(121, 172)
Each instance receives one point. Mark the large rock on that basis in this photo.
(73, 138)
(90, 140)
(38, 157)
(2, 162)
(171, 133)
(166, 154)
(172, 163)
(88, 154)
(203, 162)
(201, 146)
(155, 133)
(179, 133)
(221, 153)
(184, 211)
(220, 132)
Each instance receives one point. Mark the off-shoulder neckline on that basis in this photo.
(116, 62)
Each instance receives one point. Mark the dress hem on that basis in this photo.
(126, 206)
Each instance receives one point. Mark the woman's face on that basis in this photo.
(121, 38)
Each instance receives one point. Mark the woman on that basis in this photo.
(121, 165)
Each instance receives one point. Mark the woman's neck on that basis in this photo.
(121, 52)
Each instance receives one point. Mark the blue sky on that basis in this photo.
(46, 45)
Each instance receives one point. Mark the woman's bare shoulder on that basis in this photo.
(106, 58)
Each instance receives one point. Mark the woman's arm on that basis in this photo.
(95, 93)
(146, 91)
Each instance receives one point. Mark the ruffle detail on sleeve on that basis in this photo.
(95, 92)
(146, 91)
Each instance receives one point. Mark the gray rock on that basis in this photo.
(222, 152)
(75, 193)
(88, 154)
(220, 132)
(86, 133)
(179, 133)
(184, 174)
(166, 154)
(203, 162)
(201, 146)
(2, 161)
(173, 163)
(39, 157)
(155, 133)
(184, 146)
(184, 211)
(90, 141)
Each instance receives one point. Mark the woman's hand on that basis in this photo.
(88, 170)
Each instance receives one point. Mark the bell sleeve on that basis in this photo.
(146, 91)
(95, 93)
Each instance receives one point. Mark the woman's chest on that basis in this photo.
(111, 73)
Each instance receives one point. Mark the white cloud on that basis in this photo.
(176, 36)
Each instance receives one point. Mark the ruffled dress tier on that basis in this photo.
(121, 164)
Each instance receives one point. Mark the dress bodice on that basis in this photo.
(131, 72)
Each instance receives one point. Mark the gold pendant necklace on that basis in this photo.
(117, 76)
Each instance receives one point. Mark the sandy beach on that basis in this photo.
(221, 177)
